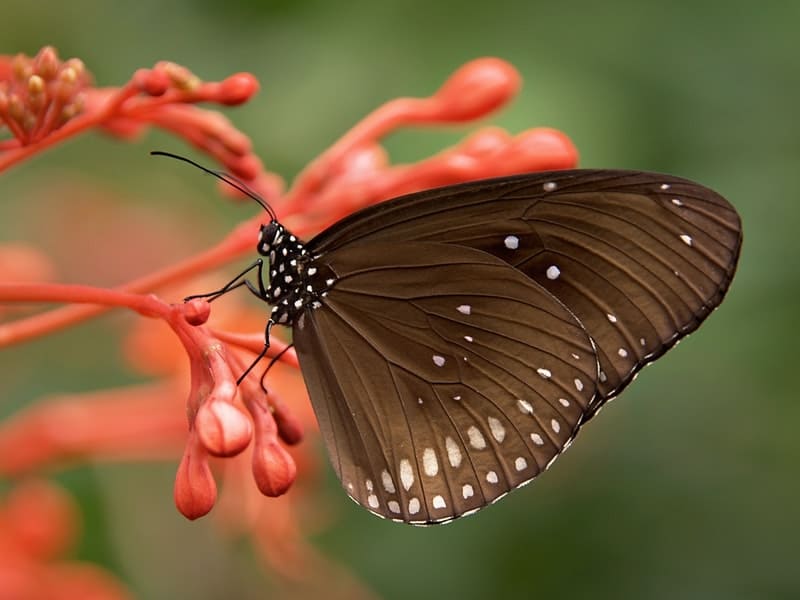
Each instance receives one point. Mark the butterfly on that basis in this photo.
(455, 340)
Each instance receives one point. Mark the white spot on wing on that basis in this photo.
(553, 272)
(497, 429)
(520, 464)
(464, 309)
(664, 186)
(544, 373)
(687, 239)
(555, 426)
(406, 474)
(537, 439)
(525, 407)
(622, 352)
(491, 477)
(453, 452)
(578, 384)
(393, 506)
(468, 338)
(372, 500)
(438, 360)
(511, 242)
(467, 491)
(611, 318)
(438, 502)
(550, 186)
(413, 506)
(476, 438)
(429, 463)
(677, 202)
(388, 483)
(564, 402)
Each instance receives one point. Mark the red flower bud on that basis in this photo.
(196, 311)
(237, 89)
(223, 429)
(477, 88)
(273, 468)
(195, 488)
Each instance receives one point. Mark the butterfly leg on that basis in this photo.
(259, 291)
(275, 359)
(261, 354)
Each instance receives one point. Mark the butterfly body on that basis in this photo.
(296, 282)
(455, 340)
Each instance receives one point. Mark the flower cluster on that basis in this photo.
(44, 101)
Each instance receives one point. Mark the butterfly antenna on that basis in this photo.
(231, 180)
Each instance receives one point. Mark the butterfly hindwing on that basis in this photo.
(441, 376)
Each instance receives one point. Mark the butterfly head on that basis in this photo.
(270, 237)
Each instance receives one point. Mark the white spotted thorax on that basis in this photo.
(296, 282)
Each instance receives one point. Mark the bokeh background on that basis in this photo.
(686, 487)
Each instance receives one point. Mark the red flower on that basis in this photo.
(226, 423)
(38, 522)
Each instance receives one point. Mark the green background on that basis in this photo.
(687, 486)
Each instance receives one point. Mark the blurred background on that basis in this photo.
(685, 487)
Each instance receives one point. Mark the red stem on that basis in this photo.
(237, 242)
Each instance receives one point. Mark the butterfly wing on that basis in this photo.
(441, 377)
(641, 259)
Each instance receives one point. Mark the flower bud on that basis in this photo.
(196, 311)
(273, 468)
(477, 88)
(223, 429)
(195, 488)
(237, 89)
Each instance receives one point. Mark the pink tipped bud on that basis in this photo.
(223, 429)
(195, 488)
(46, 63)
(237, 89)
(16, 109)
(273, 468)
(35, 84)
(181, 77)
(477, 88)
(21, 67)
(196, 311)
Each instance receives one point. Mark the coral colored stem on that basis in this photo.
(236, 243)
(84, 294)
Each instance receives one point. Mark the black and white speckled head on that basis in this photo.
(296, 283)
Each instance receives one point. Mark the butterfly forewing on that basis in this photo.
(640, 259)
(442, 377)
